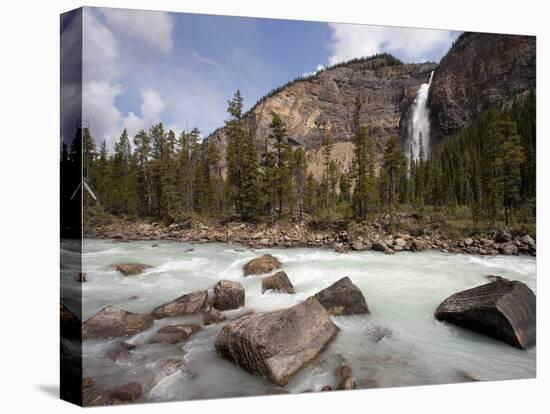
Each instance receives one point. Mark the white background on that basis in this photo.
(29, 258)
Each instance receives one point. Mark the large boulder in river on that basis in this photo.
(188, 304)
(502, 309)
(228, 295)
(131, 269)
(111, 322)
(261, 265)
(276, 345)
(279, 282)
(343, 298)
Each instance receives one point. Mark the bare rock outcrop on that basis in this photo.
(503, 309)
(343, 298)
(276, 345)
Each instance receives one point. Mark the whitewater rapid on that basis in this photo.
(402, 292)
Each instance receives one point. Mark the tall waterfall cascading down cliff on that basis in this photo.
(419, 124)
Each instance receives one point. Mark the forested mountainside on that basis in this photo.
(280, 159)
(481, 71)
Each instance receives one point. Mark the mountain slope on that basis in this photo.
(480, 71)
(327, 99)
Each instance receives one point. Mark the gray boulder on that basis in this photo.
(503, 309)
(260, 265)
(279, 282)
(276, 345)
(343, 298)
(228, 295)
(379, 246)
(111, 322)
(187, 304)
(131, 269)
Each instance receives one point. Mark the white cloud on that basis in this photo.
(152, 106)
(319, 68)
(350, 41)
(103, 68)
(151, 28)
(100, 57)
(99, 109)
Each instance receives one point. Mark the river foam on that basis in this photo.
(399, 343)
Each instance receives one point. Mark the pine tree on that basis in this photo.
(326, 145)
(508, 161)
(282, 156)
(394, 167)
(299, 176)
(142, 152)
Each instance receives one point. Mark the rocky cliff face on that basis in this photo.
(327, 101)
(480, 71)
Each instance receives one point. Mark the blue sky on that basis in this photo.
(142, 67)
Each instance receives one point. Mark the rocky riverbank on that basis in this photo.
(415, 234)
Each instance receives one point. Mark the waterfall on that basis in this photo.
(419, 124)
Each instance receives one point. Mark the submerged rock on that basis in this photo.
(260, 265)
(228, 295)
(172, 334)
(169, 367)
(131, 269)
(91, 394)
(503, 309)
(348, 383)
(279, 282)
(111, 322)
(276, 345)
(120, 351)
(126, 393)
(187, 304)
(343, 298)
(377, 333)
(211, 316)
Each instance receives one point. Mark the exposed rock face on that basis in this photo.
(173, 334)
(276, 345)
(482, 70)
(343, 298)
(131, 269)
(261, 265)
(228, 295)
(502, 309)
(188, 304)
(111, 322)
(279, 282)
(327, 99)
